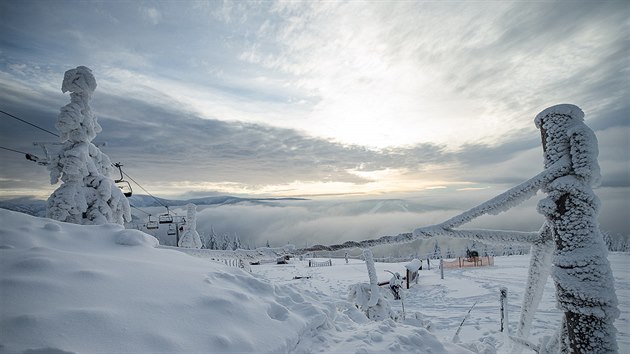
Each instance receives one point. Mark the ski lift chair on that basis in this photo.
(165, 219)
(124, 186)
(152, 224)
(171, 230)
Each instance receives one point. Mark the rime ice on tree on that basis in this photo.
(87, 194)
(190, 238)
(584, 282)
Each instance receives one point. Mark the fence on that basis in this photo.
(463, 262)
(312, 263)
(230, 262)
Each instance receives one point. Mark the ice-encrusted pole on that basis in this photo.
(584, 284)
(375, 291)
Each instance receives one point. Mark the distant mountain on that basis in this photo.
(148, 201)
(37, 207)
(376, 206)
(26, 205)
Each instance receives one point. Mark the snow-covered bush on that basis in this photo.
(87, 194)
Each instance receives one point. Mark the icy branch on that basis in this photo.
(511, 197)
(487, 236)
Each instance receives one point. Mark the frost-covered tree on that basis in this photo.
(437, 252)
(87, 194)
(449, 252)
(236, 242)
(190, 238)
(584, 283)
(225, 243)
(212, 240)
(616, 243)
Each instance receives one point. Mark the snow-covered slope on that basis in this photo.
(86, 289)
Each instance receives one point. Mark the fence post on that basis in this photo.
(571, 209)
(504, 310)
(441, 268)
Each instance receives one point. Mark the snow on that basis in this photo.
(414, 265)
(89, 288)
(87, 194)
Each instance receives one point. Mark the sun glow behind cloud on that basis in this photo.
(376, 183)
(371, 88)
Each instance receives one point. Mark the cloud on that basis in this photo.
(308, 222)
(328, 98)
(168, 147)
(152, 14)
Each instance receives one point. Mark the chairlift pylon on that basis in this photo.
(124, 186)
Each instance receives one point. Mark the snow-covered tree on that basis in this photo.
(225, 243)
(190, 238)
(87, 194)
(437, 252)
(212, 240)
(616, 243)
(236, 242)
(584, 283)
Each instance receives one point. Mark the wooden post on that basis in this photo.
(571, 208)
(504, 310)
(441, 268)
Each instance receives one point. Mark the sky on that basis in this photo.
(378, 99)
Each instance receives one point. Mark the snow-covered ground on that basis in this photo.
(87, 289)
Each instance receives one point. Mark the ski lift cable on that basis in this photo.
(57, 135)
(29, 123)
(18, 151)
(135, 207)
(30, 157)
(146, 191)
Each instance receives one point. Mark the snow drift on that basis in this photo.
(87, 288)
(101, 289)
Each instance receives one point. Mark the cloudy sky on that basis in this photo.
(379, 99)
